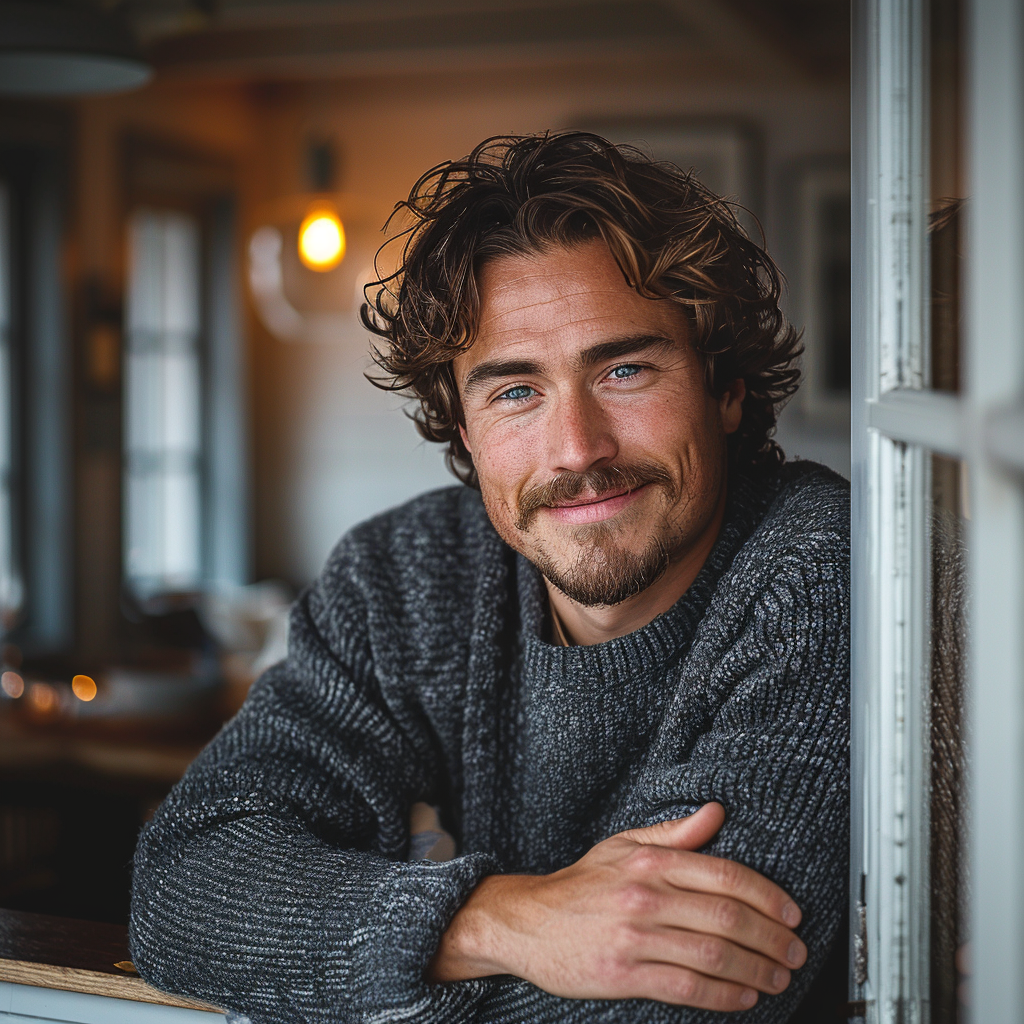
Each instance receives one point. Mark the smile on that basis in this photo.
(594, 510)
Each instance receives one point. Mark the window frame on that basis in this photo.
(892, 420)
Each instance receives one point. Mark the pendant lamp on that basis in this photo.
(54, 48)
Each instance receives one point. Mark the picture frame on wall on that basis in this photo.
(821, 291)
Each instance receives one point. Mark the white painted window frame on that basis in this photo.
(893, 424)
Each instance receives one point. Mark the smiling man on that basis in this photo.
(615, 663)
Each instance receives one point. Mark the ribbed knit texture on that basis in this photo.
(273, 879)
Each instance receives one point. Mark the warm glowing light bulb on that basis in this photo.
(12, 684)
(321, 240)
(83, 687)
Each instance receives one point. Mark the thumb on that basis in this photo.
(689, 833)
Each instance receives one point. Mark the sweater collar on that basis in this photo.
(666, 638)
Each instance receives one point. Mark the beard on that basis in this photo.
(604, 571)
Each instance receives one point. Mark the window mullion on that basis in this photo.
(891, 479)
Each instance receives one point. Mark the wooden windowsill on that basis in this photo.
(75, 956)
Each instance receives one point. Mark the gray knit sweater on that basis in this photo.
(274, 879)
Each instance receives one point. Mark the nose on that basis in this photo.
(579, 435)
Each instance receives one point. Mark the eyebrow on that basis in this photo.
(492, 370)
(627, 346)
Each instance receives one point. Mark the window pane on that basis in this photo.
(181, 509)
(163, 404)
(948, 818)
(10, 581)
(948, 188)
(181, 277)
(180, 427)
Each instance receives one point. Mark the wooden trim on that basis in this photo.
(73, 979)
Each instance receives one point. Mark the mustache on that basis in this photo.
(568, 485)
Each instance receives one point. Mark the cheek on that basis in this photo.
(504, 455)
(673, 422)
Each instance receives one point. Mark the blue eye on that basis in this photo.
(518, 394)
(622, 372)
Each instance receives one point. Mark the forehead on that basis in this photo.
(566, 296)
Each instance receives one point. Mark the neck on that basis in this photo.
(594, 625)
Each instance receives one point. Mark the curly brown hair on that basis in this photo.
(519, 195)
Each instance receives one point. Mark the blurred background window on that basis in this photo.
(163, 472)
(10, 578)
(163, 478)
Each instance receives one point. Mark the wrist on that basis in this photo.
(483, 938)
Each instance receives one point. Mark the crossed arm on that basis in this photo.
(639, 916)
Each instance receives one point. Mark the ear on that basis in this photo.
(730, 405)
(465, 438)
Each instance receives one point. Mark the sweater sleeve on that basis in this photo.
(271, 881)
(775, 748)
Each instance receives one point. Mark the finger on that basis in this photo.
(714, 957)
(736, 921)
(689, 833)
(678, 985)
(700, 873)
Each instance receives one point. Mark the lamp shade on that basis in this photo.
(48, 48)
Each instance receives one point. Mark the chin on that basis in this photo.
(602, 572)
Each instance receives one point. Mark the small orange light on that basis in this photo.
(12, 684)
(321, 240)
(83, 687)
(43, 697)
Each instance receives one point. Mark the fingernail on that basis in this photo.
(780, 978)
(791, 914)
(748, 998)
(796, 953)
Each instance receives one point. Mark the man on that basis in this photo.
(616, 662)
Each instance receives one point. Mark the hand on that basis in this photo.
(639, 916)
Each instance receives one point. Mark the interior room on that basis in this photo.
(188, 424)
(195, 196)
(196, 199)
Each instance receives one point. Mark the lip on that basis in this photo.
(594, 511)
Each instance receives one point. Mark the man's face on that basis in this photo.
(600, 453)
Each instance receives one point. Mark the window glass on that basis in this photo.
(163, 415)
(948, 818)
(947, 191)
